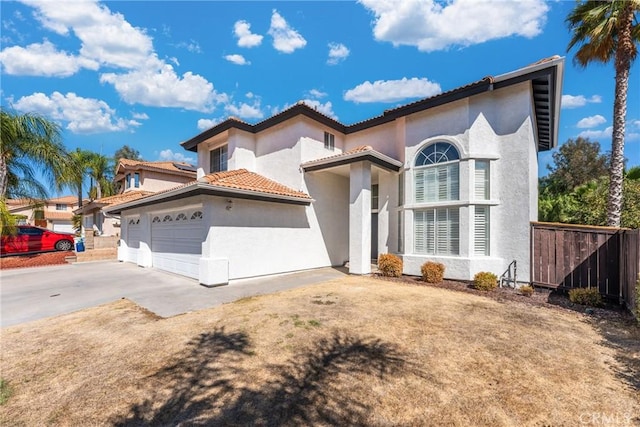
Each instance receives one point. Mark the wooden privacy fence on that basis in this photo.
(568, 256)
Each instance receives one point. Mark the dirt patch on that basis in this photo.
(541, 297)
(355, 351)
(35, 260)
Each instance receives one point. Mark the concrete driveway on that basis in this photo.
(36, 293)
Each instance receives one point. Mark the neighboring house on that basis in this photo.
(134, 179)
(452, 178)
(55, 214)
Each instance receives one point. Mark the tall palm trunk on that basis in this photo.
(624, 53)
(4, 177)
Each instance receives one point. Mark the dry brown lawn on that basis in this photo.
(355, 351)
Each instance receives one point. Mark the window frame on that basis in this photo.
(428, 169)
(434, 240)
(329, 141)
(223, 159)
(136, 180)
(61, 206)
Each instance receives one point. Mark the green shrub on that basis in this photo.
(585, 296)
(526, 290)
(390, 265)
(485, 281)
(432, 272)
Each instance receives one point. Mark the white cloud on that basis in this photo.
(285, 38)
(204, 124)
(192, 46)
(242, 30)
(82, 115)
(591, 122)
(245, 111)
(140, 116)
(317, 94)
(237, 59)
(571, 101)
(162, 87)
(42, 59)
(337, 53)
(432, 25)
(106, 37)
(326, 108)
(392, 90)
(168, 155)
(635, 123)
(597, 134)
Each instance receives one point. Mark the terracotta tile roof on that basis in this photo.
(162, 166)
(243, 179)
(122, 198)
(70, 200)
(58, 215)
(359, 149)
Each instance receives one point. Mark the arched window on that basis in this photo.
(437, 180)
(437, 173)
(196, 215)
(156, 219)
(167, 218)
(181, 217)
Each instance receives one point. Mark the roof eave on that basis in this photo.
(372, 156)
(199, 188)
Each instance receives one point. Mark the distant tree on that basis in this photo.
(607, 30)
(126, 152)
(576, 162)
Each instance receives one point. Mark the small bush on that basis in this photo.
(390, 265)
(432, 272)
(585, 296)
(526, 290)
(485, 281)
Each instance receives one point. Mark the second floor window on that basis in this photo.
(218, 159)
(127, 181)
(437, 173)
(61, 206)
(136, 180)
(329, 141)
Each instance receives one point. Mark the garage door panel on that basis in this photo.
(133, 239)
(176, 242)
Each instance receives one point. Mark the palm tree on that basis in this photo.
(30, 143)
(100, 171)
(606, 30)
(77, 170)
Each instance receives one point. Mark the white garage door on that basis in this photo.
(132, 239)
(176, 241)
(63, 228)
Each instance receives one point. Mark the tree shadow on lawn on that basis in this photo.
(311, 388)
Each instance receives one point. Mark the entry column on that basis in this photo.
(360, 218)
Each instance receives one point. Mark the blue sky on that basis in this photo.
(153, 74)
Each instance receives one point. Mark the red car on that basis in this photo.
(30, 239)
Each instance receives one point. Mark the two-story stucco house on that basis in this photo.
(451, 178)
(134, 179)
(55, 214)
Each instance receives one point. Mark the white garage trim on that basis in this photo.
(134, 231)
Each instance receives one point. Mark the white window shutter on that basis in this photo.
(481, 180)
(481, 231)
(419, 232)
(420, 184)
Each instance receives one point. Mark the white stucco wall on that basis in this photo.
(495, 126)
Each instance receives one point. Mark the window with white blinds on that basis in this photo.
(437, 231)
(481, 180)
(437, 173)
(439, 183)
(481, 231)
